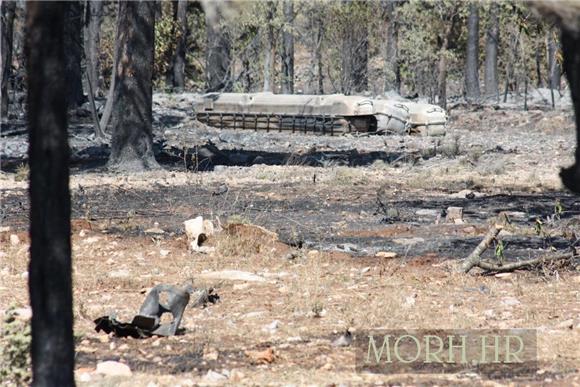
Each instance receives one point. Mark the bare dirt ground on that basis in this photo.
(323, 276)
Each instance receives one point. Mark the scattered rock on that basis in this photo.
(466, 194)
(454, 215)
(83, 233)
(22, 313)
(266, 356)
(231, 275)
(154, 231)
(197, 231)
(567, 324)
(386, 254)
(347, 247)
(164, 253)
(210, 353)
(504, 275)
(408, 241)
(91, 240)
(122, 273)
(344, 340)
(113, 368)
(510, 301)
(272, 327)
(213, 376)
(410, 301)
(4, 228)
(428, 212)
(14, 239)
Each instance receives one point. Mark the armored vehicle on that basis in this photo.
(321, 114)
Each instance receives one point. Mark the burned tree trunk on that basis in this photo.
(132, 138)
(392, 72)
(179, 60)
(355, 45)
(288, 49)
(442, 65)
(218, 57)
(472, 55)
(269, 47)
(553, 66)
(491, 47)
(50, 282)
(73, 52)
(8, 12)
(93, 20)
(571, 48)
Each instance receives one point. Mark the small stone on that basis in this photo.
(83, 233)
(454, 215)
(503, 275)
(24, 275)
(314, 253)
(386, 254)
(365, 270)
(489, 313)
(154, 231)
(14, 239)
(122, 273)
(241, 286)
(272, 327)
(567, 324)
(113, 368)
(210, 353)
(510, 301)
(236, 376)
(4, 228)
(343, 341)
(213, 376)
(164, 253)
(231, 275)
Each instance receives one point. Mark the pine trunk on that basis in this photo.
(50, 281)
(288, 49)
(218, 57)
(491, 49)
(392, 72)
(73, 35)
(553, 65)
(179, 60)
(472, 55)
(132, 138)
(93, 21)
(8, 12)
(269, 47)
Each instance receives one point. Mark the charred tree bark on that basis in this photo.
(50, 282)
(269, 47)
(318, 53)
(472, 56)
(491, 49)
(108, 109)
(354, 53)
(538, 58)
(132, 138)
(218, 57)
(553, 66)
(288, 49)
(92, 34)
(392, 72)
(571, 48)
(8, 12)
(179, 60)
(73, 52)
(442, 65)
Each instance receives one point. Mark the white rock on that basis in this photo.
(113, 368)
(232, 275)
(4, 228)
(386, 254)
(122, 273)
(164, 253)
(91, 240)
(408, 241)
(272, 327)
(198, 229)
(510, 301)
(83, 233)
(14, 239)
(213, 376)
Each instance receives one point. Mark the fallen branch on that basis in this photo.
(475, 257)
(518, 265)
